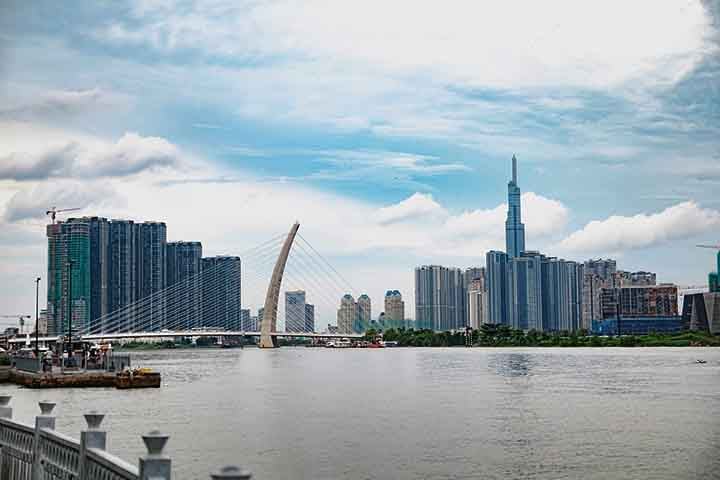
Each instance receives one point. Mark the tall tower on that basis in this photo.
(514, 228)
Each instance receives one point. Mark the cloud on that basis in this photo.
(32, 203)
(416, 207)
(57, 103)
(131, 154)
(618, 233)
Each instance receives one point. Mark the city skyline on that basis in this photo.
(388, 167)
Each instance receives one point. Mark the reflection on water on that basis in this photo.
(418, 413)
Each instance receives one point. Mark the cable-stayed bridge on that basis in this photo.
(208, 303)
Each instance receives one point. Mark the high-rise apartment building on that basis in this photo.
(122, 272)
(364, 306)
(562, 290)
(440, 298)
(514, 228)
(68, 284)
(602, 268)
(525, 297)
(295, 311)
(474, 273)
(309, 318)
(496, 270)
(221, 276)
(150, 272)
(183, 268)
(99, 230)
(246, 324)
(592, 300)
(477, 304)
(347, 314)
(394, 316)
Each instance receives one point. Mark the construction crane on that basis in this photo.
(54, 211)
(21, 318)
(714, 277)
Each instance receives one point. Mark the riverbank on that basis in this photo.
(86, 379)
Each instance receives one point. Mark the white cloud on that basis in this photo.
(419, 206)
(131, 154)
(618, 233)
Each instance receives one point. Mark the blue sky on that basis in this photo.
(386, 129)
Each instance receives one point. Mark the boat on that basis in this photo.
(700, 361)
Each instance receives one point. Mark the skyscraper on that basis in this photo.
(364, 313)
(295, 311)
(150, 271)
(439, 298)
(221, 304)
(122, 270)
(68, 291)
(99, 230)
(477, 304)
(525, 291)
(309, 317)
(184, 302)
(394, 310)
(496, 272)
(514, 228)
(346, 314)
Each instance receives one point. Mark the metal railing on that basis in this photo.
(41, 453)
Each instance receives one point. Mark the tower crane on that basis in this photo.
(21, 319)
(54, 211)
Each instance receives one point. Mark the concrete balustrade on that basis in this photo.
(39, 452)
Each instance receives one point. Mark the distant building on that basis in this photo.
(514, 228)
(246, 321)
(42, 322)
(622, 278)
(295, 311)
(364, 306)
(347, 314)
(474, 273)
(562, 290)
(525, 291)
(639, 325)
(261, 310)
(592, 299)
(394, 315)
(150, 274)
(440, 298)
(640, 301)
(122, 273)
(68, 303)
(497, 286)
(309, 318)
(602, 268)
(221, 292)
(184, 302)
(477, 304)
(99, 231)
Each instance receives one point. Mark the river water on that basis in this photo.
(405, 413)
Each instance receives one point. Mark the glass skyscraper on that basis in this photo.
(514, 228)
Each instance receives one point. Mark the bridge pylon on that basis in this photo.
(269, 320)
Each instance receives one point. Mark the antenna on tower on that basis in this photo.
(514, 169)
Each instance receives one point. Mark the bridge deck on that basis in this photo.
(192, 333)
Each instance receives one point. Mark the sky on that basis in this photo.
(385, 128)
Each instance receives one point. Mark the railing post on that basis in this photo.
(231, 473)
(44, 420)
(5, 410)
(93, 437)
(154, 465)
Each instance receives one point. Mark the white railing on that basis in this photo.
(41, 453)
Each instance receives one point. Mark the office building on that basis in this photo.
(477, 304)
(221, 298)
(394, 315)
(150, 274)
(364, 313)
(440, 298)
(309, 318)
(347, 314)
(514, 228)
(68, 280)
(640, 301)
(295, 311)
(183, 268)
(496, 271)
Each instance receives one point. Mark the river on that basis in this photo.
(412, 413)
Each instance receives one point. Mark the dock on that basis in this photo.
(83, 379)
